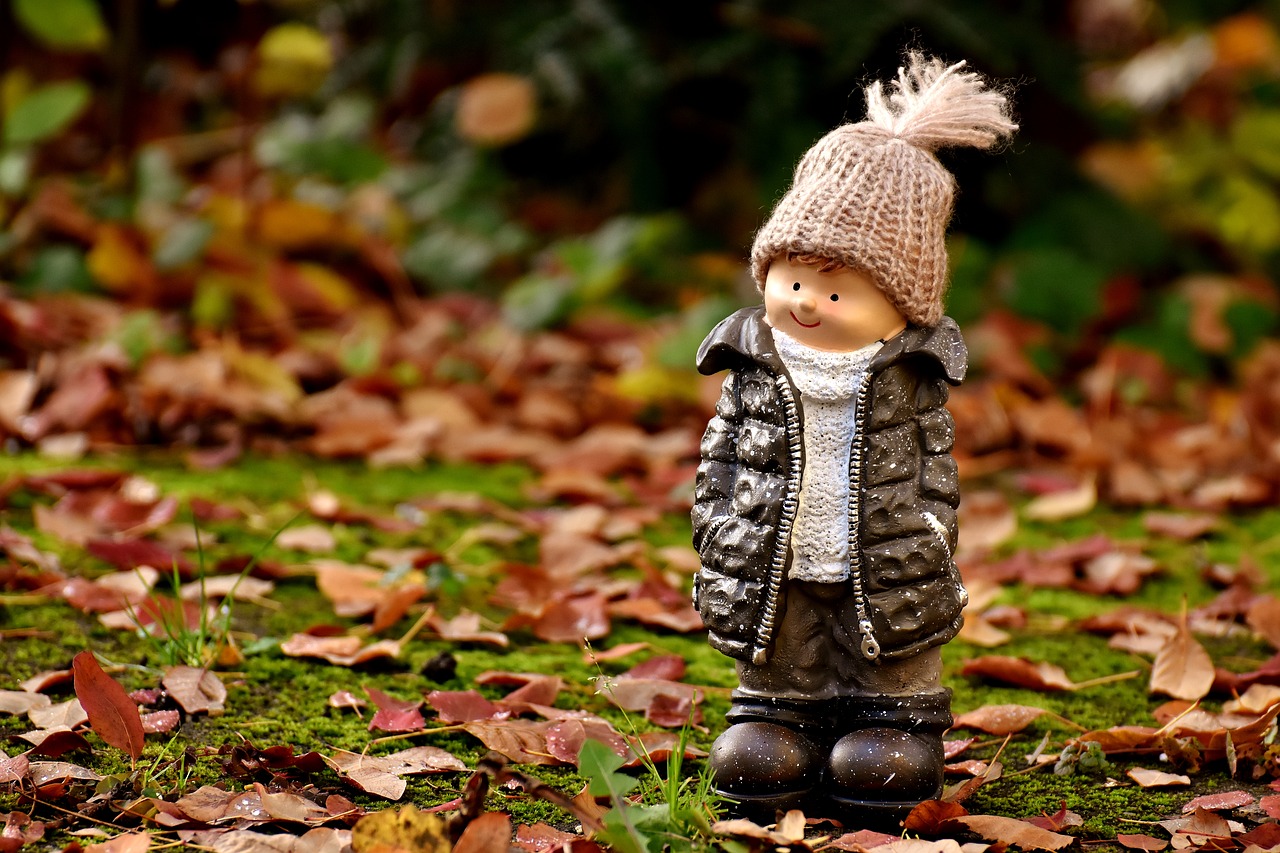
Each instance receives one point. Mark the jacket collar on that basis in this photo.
(745, 337)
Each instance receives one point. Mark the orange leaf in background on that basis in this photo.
(292, 225)
(112, 714)
(1182, 669)
(496, 109)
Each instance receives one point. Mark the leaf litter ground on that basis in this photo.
(456, 551)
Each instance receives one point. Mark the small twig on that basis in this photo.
(408, 735)
(1107, 679)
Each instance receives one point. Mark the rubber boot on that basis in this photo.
(892, 760)
(771, 756)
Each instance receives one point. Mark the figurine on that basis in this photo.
(825, 509)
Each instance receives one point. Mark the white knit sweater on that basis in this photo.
(828, 383)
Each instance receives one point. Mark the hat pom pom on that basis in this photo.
(934, 106)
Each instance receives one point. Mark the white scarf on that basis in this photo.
(828, 383)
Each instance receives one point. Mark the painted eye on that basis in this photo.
(835, 297)
(795, 286)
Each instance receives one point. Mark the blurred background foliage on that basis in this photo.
(264, 165)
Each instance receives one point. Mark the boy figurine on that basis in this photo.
(825, 510)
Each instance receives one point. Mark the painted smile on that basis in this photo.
(802, 323)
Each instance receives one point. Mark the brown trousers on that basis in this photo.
(817, 655)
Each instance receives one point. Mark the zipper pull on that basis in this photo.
(870, 648)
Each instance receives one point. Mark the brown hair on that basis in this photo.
(818, 262)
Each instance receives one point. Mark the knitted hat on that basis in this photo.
(873, 196)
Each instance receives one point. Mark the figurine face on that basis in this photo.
(837, 311)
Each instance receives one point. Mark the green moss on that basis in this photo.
(274, 699)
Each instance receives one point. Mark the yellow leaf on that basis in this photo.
(335, 290)
(290, 225)
(496, 109)
(115, 262)
(293, 60)
(404, 830)
(263, 372)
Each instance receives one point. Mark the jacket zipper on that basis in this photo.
(790, 502)
(870, 646)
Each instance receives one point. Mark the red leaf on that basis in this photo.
(160, 721)
(112, 713)
(1270, 805)
(1219, 802)
(395, 715)
(464, 706)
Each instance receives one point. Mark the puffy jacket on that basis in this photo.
(905, 589)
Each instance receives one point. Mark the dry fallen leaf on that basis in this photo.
(1156, 778)
(1018, 833)
(1183, 668)
(403, 830)
(380, 775)
(198, 691)
(1019, 672)
(998, 719)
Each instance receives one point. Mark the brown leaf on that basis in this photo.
(679, 617)
(198, 691)
(522, 741)
(1018, 833)
(1156, 778)
(565, 739)
(21, 701)
(1264, 618)
(1180, 526)
(309, 538)
(665, 667)
(1019, 672)
(67, 714)
(380, 775)
(1142, 842)
(542, 838)
(112, 714)
(465, 628)
(574, 619)
(18, 830)
(489, 833)
(1183, 668)
(339, 651)
(862, 840)
(998, 719)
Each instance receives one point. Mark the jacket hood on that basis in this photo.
(744, 336)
